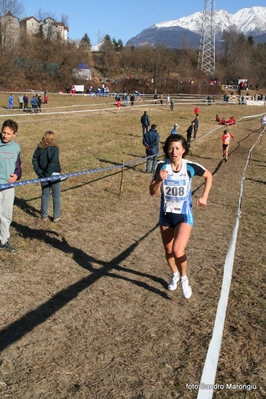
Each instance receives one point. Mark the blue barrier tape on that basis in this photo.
(85, 172)
(67, 175)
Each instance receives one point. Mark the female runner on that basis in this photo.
(173, 179)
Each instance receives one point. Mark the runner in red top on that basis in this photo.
(118, 105)
(196, 110)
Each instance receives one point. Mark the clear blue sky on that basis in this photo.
(122, 19)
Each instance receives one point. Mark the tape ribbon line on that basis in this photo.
(207, 382)
(67, 175)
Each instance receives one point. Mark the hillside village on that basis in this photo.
(12, 27)
(38, 54)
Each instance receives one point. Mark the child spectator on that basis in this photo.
(223, 121)
(118, 104)
(45, 97)
(174, 131)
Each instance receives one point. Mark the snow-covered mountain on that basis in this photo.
(250, 21)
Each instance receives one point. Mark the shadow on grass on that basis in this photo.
(255, 181)
(29, 209)
(20, 202)
(16, 330)
(259, 161)
(23, 204)
(130, 166)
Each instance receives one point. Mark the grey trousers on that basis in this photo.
(48, 186)
(6, 212)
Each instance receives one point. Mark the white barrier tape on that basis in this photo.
(207, 382)
(44, 113)
(226, 126)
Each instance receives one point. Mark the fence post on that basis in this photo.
(122, 180)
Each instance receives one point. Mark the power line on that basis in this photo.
(149, 9)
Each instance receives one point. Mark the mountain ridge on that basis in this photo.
(174, 33)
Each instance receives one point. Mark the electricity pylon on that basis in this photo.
(206, 60)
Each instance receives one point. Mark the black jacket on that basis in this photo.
(45, 161)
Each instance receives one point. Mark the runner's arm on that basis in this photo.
(202, 201)
(159, 176)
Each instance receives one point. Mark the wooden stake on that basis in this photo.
(122, 180)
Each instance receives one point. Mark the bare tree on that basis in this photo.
(157, 60)
(14, 6)
(64, 19)
(41, 15)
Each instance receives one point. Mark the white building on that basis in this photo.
(10, 28)
(31, 25)
(82, 71)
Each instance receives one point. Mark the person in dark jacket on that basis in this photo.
(189, 133)
(145, 121)
(151, 143)
(172, 104)
(39, 103)
(45, 162)
(25, 101)
(196, 126)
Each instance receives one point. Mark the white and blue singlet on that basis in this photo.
(176, 198)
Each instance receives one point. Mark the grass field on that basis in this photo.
(85, 309)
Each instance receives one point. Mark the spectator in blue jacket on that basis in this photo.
(174, 130)
(151, 143)
(33, 104)
(10, 102)
(145, 122)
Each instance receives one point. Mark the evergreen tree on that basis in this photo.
(118, 45)
(85, 41)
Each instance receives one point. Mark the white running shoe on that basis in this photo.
(173, 282)
(186, 289)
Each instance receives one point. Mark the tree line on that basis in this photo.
(44, 64)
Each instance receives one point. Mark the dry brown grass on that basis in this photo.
(85, 310)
